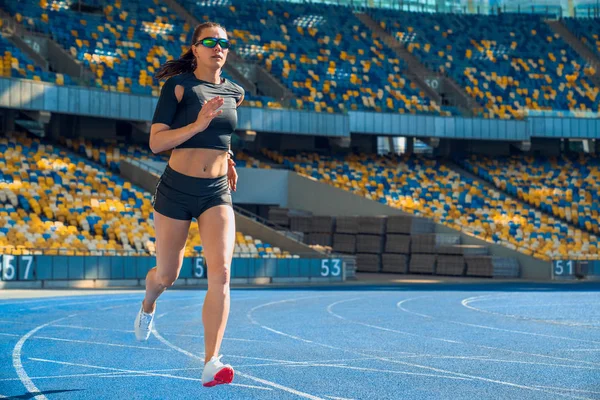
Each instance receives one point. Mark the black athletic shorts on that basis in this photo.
(185, 197)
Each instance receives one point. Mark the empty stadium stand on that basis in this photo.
(587, 30)
(55, 202)
(330, 60)
(426, 187)
(323, 53)
(15, 64)
(511, 63)
(566, 187)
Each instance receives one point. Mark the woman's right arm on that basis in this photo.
(162, 137)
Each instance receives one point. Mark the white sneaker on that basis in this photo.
(216, 373)
(143, 324)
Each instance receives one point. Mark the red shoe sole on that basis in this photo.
(224, 376)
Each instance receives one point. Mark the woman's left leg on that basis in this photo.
(217, 231)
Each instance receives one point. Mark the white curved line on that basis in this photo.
(18, 365)
(140, 373)
(465, 303)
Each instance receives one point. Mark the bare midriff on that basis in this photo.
(199, 163)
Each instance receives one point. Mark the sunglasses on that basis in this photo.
(212, 42)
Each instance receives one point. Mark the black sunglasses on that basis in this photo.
(212, 42)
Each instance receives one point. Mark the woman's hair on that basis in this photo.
(187, 61)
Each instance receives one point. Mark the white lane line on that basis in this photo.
(337, 398)
(480, 378)
(87, 328)
(47, 299)
(98, 343)
(10, 334)
(136, 372)
(259, 380)
(18, 365)
(387, 371)
(569, 389)
(200, 305)
(582, 350)
(467, 301)
(538, 305)
(89, 301)
(224, 338)
(113, 307)
(133, 296)
(67, 376)
(171, 334)
(179, 309)
(281, 387)
(400, 306)
(7, 321)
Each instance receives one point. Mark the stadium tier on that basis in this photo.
(123, 46)
(587, 30)
(58, 203)
(15, 64)
(426, 187)
(323, 53)
(509, 63)
(566, 187)
(110, 153)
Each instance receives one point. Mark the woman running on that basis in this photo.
(195, 116)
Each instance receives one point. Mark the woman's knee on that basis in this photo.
(166, 280)
(219, 276)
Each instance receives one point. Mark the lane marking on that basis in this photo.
(569, 389)
(98, 343)
(76, 303)
(136, 372)
(380, 370)
(582, 350)
(18, 365)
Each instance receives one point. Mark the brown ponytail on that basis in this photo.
(187, 61)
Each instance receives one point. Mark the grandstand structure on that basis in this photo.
(380, 138)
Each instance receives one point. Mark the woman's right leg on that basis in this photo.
(171, 235)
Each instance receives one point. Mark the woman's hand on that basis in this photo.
(232, 175)
(208, 112)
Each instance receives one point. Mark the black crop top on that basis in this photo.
(179, 114)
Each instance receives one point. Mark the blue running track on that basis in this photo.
(408, 341)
